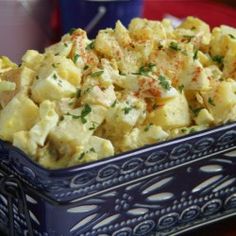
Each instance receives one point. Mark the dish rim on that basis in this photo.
(118, 157)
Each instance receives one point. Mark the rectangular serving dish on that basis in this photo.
(161, 189)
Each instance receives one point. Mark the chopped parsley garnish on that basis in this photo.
(71, 31)
(196, 111)
(211, 101)
(189, 37)
(174, 46)
(90, 46)
(53, 65)
(218, 59)
(181, 88)
(66, 45)
(76, 57)
(81, 156)
(195, 55)
(148, 127)
(127, 110)
(86, 110)
(93, 127)
(54, 76)
(144, 70)
(192, 130)
(78, 93)
(92, 150)
(232, 36)
(73, 116)
(86, 67)
(114, 103)
(164, 82)
(183, 130)
(97, 73)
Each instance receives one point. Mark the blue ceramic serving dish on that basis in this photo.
(162, 189)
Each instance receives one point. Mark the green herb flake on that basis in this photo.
(181, 88)
(86, 110)
(93, 127)
(183, 130)
(78, 93)
(71, 31)
(195, 55)
(53, 65)
(54, 76)
(76, 57)
(81, 156)
(73, 116)
(232, 36)
(127, 110)
(196, 111)
(211, 101)
(218, 59)
(92, 150)
(90, 46)
(114, 103)
(164, 82)
(66, 45)
(148, 127)
(174, 46)
(192, 130)
(97, 73)
(189, 37)
(144, 70)
(37, 77)
(86, 67)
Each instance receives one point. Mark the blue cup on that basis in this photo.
(93, 15)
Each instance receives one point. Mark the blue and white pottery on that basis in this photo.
(163, 189)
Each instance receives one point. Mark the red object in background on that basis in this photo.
(214, 13)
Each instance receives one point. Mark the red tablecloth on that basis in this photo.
(212, 12)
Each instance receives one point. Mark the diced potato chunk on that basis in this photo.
(174, 113)
(221, 100)
(22, 78)
(76, 128)
(97, 148)
(52, 88)
(32, 59)
(141, 136)
(47, 122)
(123, 116)
(19, 114)
(204, 117)
(23, 141)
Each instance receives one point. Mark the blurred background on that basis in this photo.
(34, 24)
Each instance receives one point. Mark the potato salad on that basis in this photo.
(83, 100)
